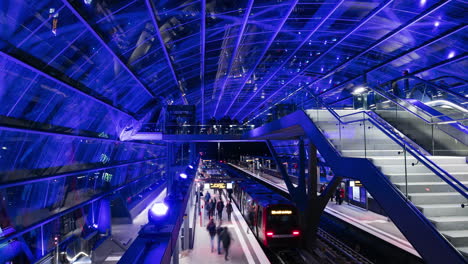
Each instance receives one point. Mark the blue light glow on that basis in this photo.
(159, 209)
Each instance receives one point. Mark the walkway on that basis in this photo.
(244, 247)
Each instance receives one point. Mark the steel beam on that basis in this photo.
(284, 173)
(202, 59)
(306, 39)
(380, 65)
(372, 46)
(104, 44)
(234, 52)
(152, 11)
(54, 134)
(252, 70)
(54, 79)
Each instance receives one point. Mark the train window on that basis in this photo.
(259, 219)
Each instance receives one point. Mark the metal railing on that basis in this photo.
(407, 149)
(196, 129)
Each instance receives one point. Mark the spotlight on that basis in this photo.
(190, 166)
(359, 90)
(183, 175)
(157, 212)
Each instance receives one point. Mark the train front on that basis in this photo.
(282, 226)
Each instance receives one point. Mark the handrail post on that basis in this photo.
(406, 172)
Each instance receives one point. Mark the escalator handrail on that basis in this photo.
(386, 95)
(441, 173)
(449, 76)
(426, 82)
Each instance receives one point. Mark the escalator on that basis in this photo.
(434, 117)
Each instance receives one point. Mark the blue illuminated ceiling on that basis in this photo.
(233, 58)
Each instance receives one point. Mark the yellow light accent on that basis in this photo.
(281, 212)
(219, 185)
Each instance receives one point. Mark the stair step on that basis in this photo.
(426, 186)
(443, 210)
(450, 222)
(458, 238)
(463, 251)
(420, 168)
(427, 177)
(437, 198)
(370, 153)
(361, 146)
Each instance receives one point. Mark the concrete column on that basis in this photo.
(175, 252)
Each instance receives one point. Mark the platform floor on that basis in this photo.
(375, 224)
(244, 247)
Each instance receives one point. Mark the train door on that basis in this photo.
(258, 227)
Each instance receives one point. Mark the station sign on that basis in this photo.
(218, 185)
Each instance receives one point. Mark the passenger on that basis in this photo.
(219, 231)
(337, 195)
(208, 209)
(211, 227)
(220, 207)
(229, 210)
(212, 207)
(207, 197)
(226, 236)
(341, 195)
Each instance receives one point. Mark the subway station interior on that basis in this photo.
(233, 131)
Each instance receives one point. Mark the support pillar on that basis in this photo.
(187, 224)
(170, 167)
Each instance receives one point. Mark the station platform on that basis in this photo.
(244, 246)
(370, 222)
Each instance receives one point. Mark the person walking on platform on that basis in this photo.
(207, 197)
(219, 231)
(337, 195)
(226, 236)
(341, 195)
(208, 209)
(212, 207)
(229, 210)
(219, 208)
(211, 227)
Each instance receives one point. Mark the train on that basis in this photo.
(273, 219)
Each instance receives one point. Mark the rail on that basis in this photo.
(441, 173)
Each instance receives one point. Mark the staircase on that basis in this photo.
(437, 200)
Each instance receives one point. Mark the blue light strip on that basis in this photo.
(306, 40)
(152, 12)
(202, 59)
(234, 53)
(73, 173)
(375, 44)
(252, 70)
(52, 78)
(104, 44)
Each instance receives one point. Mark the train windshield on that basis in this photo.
(282, 219)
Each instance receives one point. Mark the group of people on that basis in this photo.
(338, 195)
(213, 207)
(223, 234)
(224, 237)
